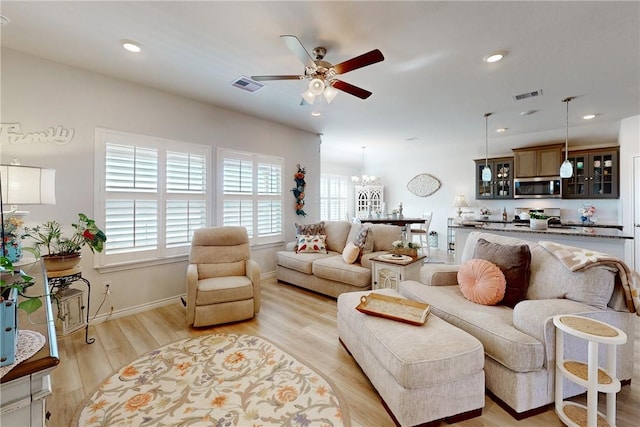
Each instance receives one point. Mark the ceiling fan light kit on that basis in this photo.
(322, 74)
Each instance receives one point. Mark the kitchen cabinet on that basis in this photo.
(540, 161)
(501, 184)
(595, 175)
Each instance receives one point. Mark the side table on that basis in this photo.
(59, 282)
(387, 274)
(588, 375)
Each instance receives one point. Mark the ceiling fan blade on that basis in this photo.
(266, 78)
(359, 62)
(296, 47)
(351, 89)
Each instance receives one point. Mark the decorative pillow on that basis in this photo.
(310, 229)
(481, 281)
(312, 244)
(514, 261)
(350, 253)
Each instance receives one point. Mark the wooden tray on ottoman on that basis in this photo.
(400, 309)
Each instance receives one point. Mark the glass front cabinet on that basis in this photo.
(369, 199)
(595, 175)
(501, 184)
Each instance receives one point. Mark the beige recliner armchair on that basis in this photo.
(223, 282)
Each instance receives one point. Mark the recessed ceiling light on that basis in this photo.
(316, 114)
(528, 112)
(495, 56)
(589, 116)
(412, 139)
(501, 130)
(131, 46)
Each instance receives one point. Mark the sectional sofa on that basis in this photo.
(328, 273)
(519, 342)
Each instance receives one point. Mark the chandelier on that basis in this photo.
(364, 179)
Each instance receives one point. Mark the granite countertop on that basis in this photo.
(577, 230)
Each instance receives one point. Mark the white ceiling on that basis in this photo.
(433, 84)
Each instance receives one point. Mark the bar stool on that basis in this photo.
(588, 375)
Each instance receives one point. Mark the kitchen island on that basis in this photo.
(608, 240)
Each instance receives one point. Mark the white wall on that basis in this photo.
(629, 148)
(40, 94)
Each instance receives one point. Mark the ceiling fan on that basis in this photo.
(322, 74)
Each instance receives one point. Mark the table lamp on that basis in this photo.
(460, 203)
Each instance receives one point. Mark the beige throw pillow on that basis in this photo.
(350, 253)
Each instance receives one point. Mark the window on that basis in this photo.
(333, 197)
(152, 194)
(251, 191)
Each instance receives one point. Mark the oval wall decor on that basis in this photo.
(423, 185)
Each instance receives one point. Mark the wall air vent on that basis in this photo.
(527, 95)
(245, 83)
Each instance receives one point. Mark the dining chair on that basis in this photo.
(422, 233)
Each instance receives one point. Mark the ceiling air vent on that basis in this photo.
(527, 95)
(247, 84)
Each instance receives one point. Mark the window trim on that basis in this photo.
(161, 254)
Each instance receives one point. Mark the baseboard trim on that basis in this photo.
(136, 309)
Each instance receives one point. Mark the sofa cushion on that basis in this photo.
(350, 253)
(384, 235)
(311, 244)
(551, 279)
(302, 262)
(492, 325)
(481, 281)
(334, 268)
(337, 232)
(514, 261)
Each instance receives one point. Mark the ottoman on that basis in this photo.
(422, 373)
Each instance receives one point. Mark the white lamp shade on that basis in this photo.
(329, 93)
(566, 169)
(460, 202)
(25, 185)
(309, 97)
(316, 86)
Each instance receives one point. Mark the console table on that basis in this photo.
(24, 389)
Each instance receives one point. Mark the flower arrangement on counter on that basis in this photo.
(298, 190)
(586, 213)
(485, 211)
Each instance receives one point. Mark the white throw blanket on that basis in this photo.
(576, 259)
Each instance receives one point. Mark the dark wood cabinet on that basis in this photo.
(501, 184)
(540, 161)
(595, 175)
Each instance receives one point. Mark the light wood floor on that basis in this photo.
(300, 322)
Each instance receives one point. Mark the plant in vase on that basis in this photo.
(538, 221)
(62, 252)
(404, 247)
(11, 246)
(586, 213)
(9, 281)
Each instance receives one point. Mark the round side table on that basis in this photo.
(589, 374)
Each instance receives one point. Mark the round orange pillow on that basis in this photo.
(482, 282)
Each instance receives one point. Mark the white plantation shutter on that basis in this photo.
(153, 194)
(333, 197)
(251, 187)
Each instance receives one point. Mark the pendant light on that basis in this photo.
(486, 171)
(566, 168)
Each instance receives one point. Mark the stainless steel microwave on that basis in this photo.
(537, 188)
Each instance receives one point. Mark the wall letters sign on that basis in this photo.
(10, 134)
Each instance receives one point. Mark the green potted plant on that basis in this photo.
(63, 253)
(538, 221)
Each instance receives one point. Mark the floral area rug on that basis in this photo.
(215, 380)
